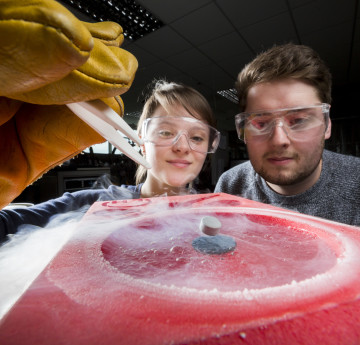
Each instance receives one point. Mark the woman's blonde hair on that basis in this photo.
(167, 95)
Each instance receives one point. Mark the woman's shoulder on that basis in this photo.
(133, 188)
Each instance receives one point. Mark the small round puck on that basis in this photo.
(219, 244)
(210, 225)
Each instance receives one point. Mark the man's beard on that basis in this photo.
(288, 179)
(293, 177)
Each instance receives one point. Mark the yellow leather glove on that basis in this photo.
(50, 58)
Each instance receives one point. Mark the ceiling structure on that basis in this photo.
(205, 43)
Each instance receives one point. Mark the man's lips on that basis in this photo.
(179, 163)
(280, 160)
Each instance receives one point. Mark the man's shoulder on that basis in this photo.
(340, 157)
(341, 172)
(343, 164)
(238, 170)
(235, 179)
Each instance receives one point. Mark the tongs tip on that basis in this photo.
(107, 123)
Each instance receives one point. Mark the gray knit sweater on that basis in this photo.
(335, 196)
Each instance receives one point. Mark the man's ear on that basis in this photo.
(328, 130)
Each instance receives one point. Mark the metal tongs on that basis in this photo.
(107, 123)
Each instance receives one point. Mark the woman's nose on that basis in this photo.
(181, 143)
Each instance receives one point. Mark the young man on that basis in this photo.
(284, 97)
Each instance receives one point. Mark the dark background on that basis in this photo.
(205, 44)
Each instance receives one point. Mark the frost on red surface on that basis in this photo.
(130, 275)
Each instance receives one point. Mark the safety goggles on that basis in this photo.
(299, 123)
(167, 130)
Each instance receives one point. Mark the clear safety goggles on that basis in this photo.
(299, 123)
(167, 130)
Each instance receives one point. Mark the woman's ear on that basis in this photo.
(142, 147)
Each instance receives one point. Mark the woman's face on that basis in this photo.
(176, 165)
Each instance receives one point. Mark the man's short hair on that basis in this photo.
(288, 61)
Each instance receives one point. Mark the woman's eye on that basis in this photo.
(197, 139)
(165, 133)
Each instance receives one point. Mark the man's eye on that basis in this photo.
(259, 123)
(299, 120)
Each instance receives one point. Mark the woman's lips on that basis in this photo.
(179, 163)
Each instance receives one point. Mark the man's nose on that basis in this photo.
(182, 143)
(279, 133)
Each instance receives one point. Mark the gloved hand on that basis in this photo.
(49, 58)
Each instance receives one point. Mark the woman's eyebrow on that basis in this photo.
(166, 122)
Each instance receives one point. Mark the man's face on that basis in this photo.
(289, 166)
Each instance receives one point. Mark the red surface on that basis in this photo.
(130, 276)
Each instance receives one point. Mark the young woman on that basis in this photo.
(177, 126)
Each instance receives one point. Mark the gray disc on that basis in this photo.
(218, 244)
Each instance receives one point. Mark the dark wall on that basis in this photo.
(345, 117)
